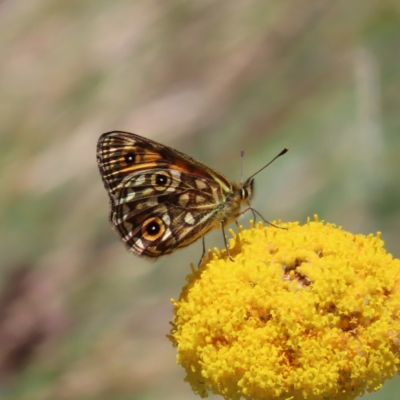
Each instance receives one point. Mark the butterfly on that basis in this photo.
(162, 199)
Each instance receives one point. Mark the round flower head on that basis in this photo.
(311, 312)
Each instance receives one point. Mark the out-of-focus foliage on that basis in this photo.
(80, 317)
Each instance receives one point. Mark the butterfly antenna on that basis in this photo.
(242, 157)
(285, 150)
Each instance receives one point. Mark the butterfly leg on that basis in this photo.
(256, 212)
(253, 211)
(204, 251)
(226, 243)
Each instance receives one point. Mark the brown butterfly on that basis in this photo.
(162, 199)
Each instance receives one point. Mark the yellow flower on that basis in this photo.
(311, 312)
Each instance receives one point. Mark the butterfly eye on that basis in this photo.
(130, 158)
(152, 229)
(247, 190)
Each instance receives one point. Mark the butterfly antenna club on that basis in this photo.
(284, 151)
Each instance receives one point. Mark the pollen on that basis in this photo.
(311, 312)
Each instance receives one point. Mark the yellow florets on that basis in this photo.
(311, 312)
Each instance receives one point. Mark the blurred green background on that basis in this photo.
(81, 318)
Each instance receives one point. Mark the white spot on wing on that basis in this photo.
(183, 199)
(139, 180)
(166, 219)
(200, 184)
(175, 174)
(129, 197)
(189, 218)
(166, 235)
(139, 243)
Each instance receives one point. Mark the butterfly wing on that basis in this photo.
(161, 199)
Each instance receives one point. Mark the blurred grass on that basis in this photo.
(82, 318)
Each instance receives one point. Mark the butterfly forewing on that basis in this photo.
(121, 153)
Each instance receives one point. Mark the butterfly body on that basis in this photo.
(162, 199)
